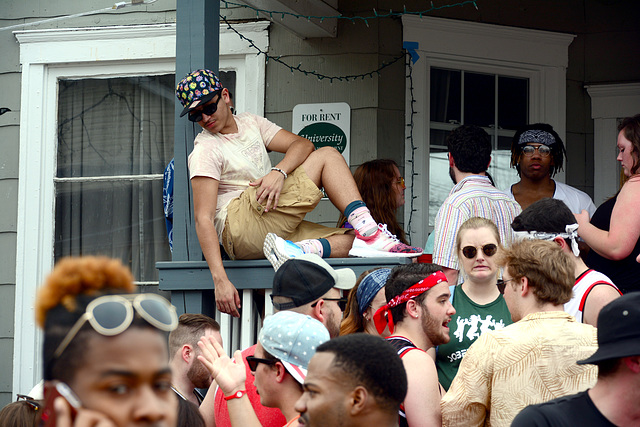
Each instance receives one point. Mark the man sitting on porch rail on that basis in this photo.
(238, 197)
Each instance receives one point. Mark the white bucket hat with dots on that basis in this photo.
(293, 338)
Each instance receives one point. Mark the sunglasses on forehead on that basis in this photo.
(208, 109)
(29, 401)
(489, 249)
(111, 315)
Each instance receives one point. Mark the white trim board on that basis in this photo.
(609, 102)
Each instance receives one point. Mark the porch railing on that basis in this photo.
(192, 291)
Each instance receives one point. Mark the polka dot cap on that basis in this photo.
(292, 338)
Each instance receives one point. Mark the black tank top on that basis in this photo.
(625, 273)
(401, 345)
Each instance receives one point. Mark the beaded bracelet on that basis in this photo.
(281, 171)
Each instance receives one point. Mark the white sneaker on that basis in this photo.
(382, 244)
(277, 250)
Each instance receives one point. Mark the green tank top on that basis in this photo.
(470, 321)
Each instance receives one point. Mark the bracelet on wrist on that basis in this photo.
(237, 395)
(281, 171)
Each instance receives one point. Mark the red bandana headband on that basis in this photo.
(382, 316)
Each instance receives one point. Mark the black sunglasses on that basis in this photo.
(342, 302)
(489, 249)
(501, 284)
(207, 109)
(255, 361)
(29, 400)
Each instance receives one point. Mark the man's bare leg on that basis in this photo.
(327, 168)
(340, 244)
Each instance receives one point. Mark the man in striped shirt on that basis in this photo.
(473, 195)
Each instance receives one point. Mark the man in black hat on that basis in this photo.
(615, 399)
(308, 285)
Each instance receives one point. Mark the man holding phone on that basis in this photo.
(106, 361)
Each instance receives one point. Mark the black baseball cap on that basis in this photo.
(618, 331)
(306, 278)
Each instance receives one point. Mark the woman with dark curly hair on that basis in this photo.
(105, 348)
(382, 189)
(614, 231)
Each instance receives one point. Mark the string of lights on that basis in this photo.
(299, 68)
(365, 19)
(411, 161)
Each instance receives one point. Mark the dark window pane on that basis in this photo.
(228, 80)
(445, 95)
(479, 99)
(438, 140)
(513, 102)
(504, 143)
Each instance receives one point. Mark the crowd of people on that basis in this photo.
(512, 324)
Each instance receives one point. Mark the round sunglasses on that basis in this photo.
(489, 249)
(543, 150)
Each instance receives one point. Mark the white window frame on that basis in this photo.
(541, 56)
(609, 103)
(103, 52)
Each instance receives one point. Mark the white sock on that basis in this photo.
(362, 221)
(311, 246)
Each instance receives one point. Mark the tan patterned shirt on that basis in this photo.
(531, 361)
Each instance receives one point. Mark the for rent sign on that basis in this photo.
(324, 125)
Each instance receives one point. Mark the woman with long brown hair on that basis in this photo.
(382, 189)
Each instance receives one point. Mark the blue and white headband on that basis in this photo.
(571, 233)
(370, 286)
(533, 136)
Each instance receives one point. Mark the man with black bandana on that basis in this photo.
(537, 153)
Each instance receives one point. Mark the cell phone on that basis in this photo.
(52, 390)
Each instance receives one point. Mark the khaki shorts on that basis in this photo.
(247, 224)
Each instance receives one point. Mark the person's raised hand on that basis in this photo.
(229, 374)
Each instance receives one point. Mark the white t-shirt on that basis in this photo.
(575, 199)
(233, 159)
